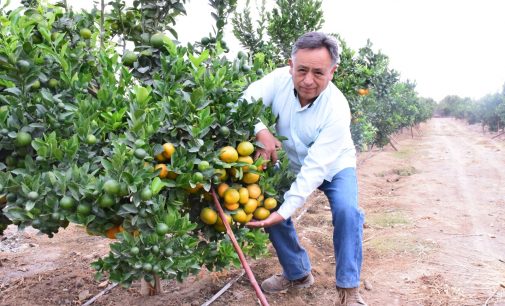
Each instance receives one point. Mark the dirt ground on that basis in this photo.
(434, 235)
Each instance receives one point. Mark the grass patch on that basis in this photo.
(406, 171)
(386, 219)
(403, 154)
(401, 244)
(381, 174)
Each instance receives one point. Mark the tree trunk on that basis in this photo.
(391, 143)
(147, 289)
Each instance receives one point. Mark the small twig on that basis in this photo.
(223, 290)
(489, 298)
(463, 235)
(301, 214)
(104, 291)
(392, 145)
(369, 238)
(361, 161)
(498, 135)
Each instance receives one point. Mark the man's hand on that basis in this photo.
(273, 219)
(270, 146)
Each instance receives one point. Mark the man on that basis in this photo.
(314, 116)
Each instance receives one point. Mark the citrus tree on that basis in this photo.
(380, 103)
(129, 143)
(489, 110)
(277, 29)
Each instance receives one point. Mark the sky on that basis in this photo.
(449, 47)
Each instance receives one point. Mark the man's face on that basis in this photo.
(311, 70)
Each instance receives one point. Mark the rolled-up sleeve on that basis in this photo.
(265, 89)
(325, 150)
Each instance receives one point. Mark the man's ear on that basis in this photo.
(290, 62)
(334, 69)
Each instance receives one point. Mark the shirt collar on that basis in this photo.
(309, 105)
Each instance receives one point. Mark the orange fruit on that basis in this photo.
(222, 174)
(250, 206)
(363, 91)
(23, 139)
(220, 228)
(231, 206)
(233, 173)
(228, 154)
(164, 170)
(221, 188)
(207, 196)
(168, 150)
(244, 195)
(240, 216)
(195, 189)
(245, 159)
(85, 33)
(171, 175)
(208, 216)
(249, 217)
(160, 157)
(231, 196)
(261, 213)
(250, 178)
(113, 231)
(158, 40)
(219, 221)
(245, 148)
(254, 191)
(270, 203)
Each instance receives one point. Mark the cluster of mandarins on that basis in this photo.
(164, 156)
(241, 195)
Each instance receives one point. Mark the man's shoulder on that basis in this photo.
(282, 72)
(334, 94)
(281, 78)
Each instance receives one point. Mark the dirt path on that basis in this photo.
(434, 235)
(446, 212)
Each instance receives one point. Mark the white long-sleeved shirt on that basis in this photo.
(319, 142)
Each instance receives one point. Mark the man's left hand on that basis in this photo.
(272, 220)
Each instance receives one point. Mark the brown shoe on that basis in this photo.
(280, 284)
(350, 297)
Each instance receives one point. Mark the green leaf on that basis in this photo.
(197, 61)
(130, 208)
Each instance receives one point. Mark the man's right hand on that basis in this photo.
(270, 146)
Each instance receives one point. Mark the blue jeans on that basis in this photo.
(342, 193)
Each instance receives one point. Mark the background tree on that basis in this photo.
(252, 38)
(290, 19)
(278, 29)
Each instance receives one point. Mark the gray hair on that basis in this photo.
(316, 40)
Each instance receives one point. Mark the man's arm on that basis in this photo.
(265, 89)
(321, 155)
